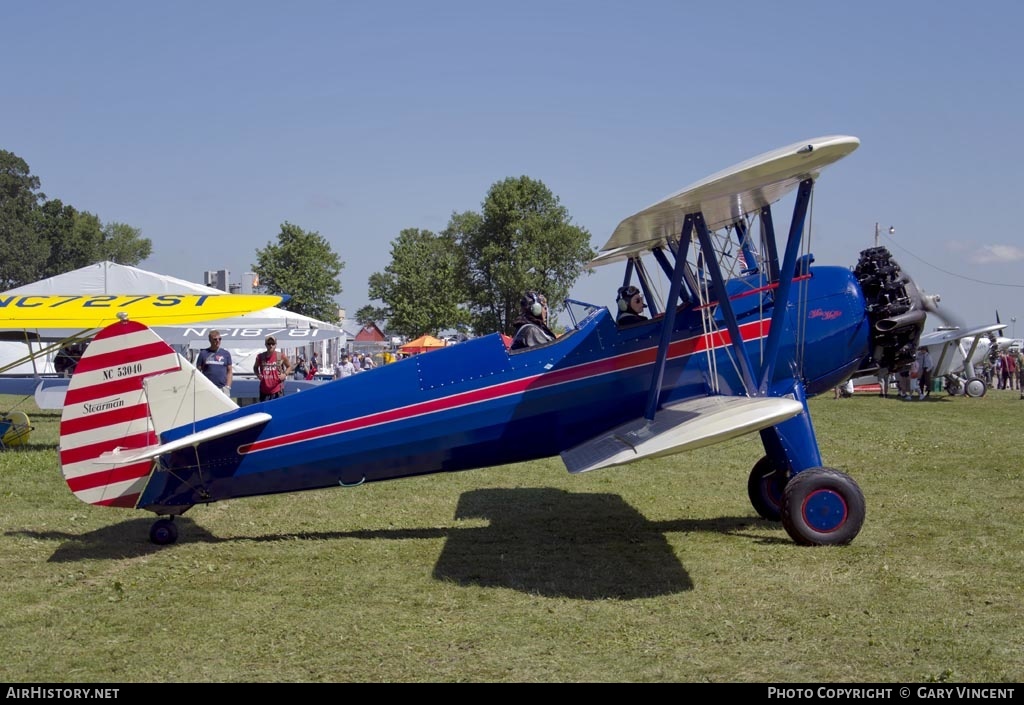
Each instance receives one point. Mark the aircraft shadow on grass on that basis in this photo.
(539, 541)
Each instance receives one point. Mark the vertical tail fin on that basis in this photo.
(108, 406)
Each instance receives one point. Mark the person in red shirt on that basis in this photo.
(272, 368)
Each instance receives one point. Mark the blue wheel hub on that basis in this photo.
(824, 510)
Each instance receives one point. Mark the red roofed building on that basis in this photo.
(369, 340)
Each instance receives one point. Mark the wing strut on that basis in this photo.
(786, 276)
(688, 278)
(768, 230)
(669, 323)
(645, 284)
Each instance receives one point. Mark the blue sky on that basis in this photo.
(209, 124)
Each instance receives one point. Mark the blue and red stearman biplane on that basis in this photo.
(749, 332)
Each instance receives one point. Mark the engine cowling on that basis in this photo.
(895, 309)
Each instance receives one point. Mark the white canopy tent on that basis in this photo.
(242, 335)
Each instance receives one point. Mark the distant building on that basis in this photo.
(369, 340)
(219, 279)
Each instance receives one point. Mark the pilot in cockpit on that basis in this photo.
(631, 306)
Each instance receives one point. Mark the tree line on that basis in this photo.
(42, 237)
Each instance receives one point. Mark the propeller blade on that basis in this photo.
(930, 303)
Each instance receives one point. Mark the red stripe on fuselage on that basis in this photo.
(682, 348)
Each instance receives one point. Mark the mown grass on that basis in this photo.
(657, 572)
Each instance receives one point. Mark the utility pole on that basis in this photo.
(892, 231)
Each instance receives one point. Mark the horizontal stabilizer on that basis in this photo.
(682, 426)
(120, 456)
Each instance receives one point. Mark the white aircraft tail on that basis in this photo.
(128, 388)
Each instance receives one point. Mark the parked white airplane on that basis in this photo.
(958, 354)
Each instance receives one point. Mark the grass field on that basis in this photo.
(656, 572)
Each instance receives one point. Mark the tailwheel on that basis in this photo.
(822, 507)
(765, 487)
(975, 387)
(163, 532)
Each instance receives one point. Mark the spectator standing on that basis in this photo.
(924, 380)
(883, 384)
(1010, 370)
(344, 368)
(1020, 371)
(903, 383)
(367, 363)
(215, 363)
(272, 368)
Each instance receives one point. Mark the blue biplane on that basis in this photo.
(746, 333)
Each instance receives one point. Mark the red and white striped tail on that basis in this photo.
(106, 408)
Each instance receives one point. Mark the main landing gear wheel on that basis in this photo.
(975, 387)
(822, 507)
(163, 532)
(765, 487)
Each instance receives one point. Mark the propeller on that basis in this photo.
(930, 303)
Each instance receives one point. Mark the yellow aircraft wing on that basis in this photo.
(34, 311)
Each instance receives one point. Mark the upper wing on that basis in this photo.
(96, 311)
(686, 425)
(726, 196)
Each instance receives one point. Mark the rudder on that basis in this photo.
(107, 408)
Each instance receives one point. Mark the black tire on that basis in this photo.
(975, 387)
(822, 507)
(163, 532)
(765, 487)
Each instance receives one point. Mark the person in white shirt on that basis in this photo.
(344, 368)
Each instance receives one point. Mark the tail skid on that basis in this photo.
(128, 388)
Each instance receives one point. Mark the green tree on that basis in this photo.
(74, 237)
(124, 244)
(302, 265)
(423, 287)
(523, 240)
(41, 238)
(22, 253)
(370, 315)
